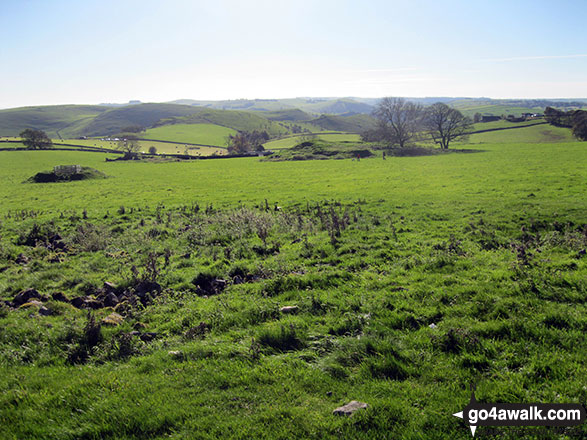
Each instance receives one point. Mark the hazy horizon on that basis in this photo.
(67, 52)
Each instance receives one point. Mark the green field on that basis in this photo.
(413, 277)
(207, 134)
(532, 134)
(290, 141)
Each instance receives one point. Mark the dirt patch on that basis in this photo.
(52, 177)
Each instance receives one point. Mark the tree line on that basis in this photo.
(400, 123)
(575, 119)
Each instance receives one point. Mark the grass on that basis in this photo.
(207, 134)
(534, 134)
(488, 247)
(291, 141)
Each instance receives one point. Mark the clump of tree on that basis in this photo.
(246, 141)
(574, 119)
(35, 139)
(580, 125)
(130, 146)
(446, 124)
(400, 123)
(133, 129)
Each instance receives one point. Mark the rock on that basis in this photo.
(44, 311)
(208, 285)
(175, 354)
(145, 287)
(148, 337)
(289, 309)
(350, 408)
(85, 302)
(22, 259)
(110, 300)
(329, 394)
(92, 303)
(139, 326)
(25, 296)
(59, 296)
(78, 302)
(432, 326)
(32, 303)
(109, 287)
(113, 319)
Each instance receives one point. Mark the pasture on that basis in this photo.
(410, 277)
(207, 134)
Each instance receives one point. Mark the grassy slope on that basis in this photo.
(533, 134)
(291, 141)
(353, 124)
(51, 119)
(208, 134)
(145, 115)
(520, 344)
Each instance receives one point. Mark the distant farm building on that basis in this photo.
(490, 118)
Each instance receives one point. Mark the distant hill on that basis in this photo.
(145, 115)
(278, 117)
(51, 119)
(351, 124)
(334, 106)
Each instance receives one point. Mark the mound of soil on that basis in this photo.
(50, 176)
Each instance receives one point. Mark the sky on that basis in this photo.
(90, 52)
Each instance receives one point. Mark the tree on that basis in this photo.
(35, 139)
(152, 149)
(580, 125)
(246, 141)
(398, 122)
(130, 146)
(446, 124)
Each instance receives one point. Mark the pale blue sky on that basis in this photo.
(65, 51)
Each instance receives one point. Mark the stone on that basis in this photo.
(113, 319)
(92, 303)
(350, 408)
(31, 303)
(175, 354)
(22, 259)
(109, 287)
(289, 309)
(44, 311)
(25, 296)
(78, 302)
(432, 326)
(148, 337)
(59, 296)
(110, 300)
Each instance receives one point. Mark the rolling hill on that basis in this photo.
(53, 119)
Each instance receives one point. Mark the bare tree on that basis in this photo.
(446, 124)
(131, 146)
(398, 121)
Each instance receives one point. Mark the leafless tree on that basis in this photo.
(398, 121)
(130, 146)
(446, 124)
